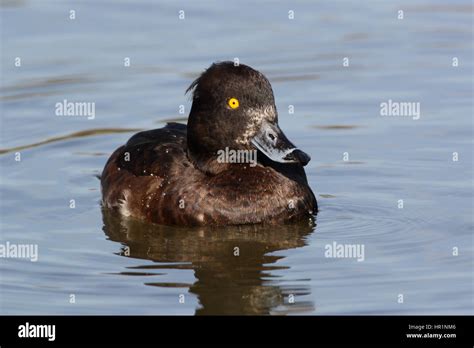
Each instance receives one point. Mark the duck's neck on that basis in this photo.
(204, 158)
(203, 144)
(207, 164)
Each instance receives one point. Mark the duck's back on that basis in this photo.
(152, 178)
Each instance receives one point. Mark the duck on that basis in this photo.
(231, 164)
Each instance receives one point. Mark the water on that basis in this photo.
(112, 266)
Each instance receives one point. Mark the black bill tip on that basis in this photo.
(298, 156)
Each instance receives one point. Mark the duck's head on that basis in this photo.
(233, 106)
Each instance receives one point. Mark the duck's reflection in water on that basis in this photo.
(232, 265)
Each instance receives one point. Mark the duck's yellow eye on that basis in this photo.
(233, 103)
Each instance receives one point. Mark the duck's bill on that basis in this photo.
(275, 145)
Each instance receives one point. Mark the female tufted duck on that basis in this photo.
(230, 165)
